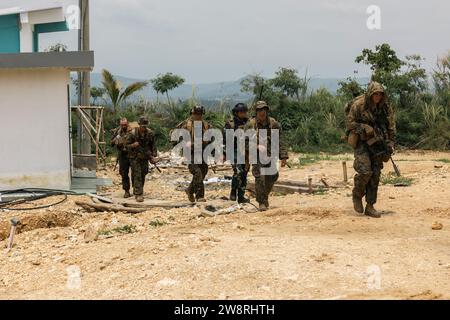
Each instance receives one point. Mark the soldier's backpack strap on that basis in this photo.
(272, 123)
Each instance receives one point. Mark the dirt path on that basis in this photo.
(305, 247)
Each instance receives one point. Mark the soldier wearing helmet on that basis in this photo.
(119, 140)
(141, 149)
(370, 120)
(240, 171)
(265, 183)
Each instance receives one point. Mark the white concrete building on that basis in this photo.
(20, 27)
(35, 148)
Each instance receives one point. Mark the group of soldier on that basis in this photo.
(370, 131)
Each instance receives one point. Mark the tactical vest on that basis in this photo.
(144, 151)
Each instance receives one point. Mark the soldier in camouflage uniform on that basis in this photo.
(240, 171)
(196, 189)
(371, 126)
(141, 149)
(265, 183)
(119, 141)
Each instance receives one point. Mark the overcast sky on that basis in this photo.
(217, 40)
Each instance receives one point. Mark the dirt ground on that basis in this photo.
(304, 247)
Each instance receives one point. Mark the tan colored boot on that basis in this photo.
(139, 199)
(358, 205)
(262, 207)
(201, 200)
(127, 194)
(371, 212)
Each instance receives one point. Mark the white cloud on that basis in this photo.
(214, 40)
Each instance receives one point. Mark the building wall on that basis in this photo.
(34, 130)
(9, 34)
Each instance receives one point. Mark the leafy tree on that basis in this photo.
(350, 88)
(404, 80)
(383, 62)
(115, 91)
(97, 93)
(164, 83)
(288, 81)
(59, 47)
(441, 79)
(260, 88)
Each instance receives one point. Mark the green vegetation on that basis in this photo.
(313, 120)
(322, 191)
(126, 229)
(392, 179)
(307, 159)
(157, 223)
(444, 160)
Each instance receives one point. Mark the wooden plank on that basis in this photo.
(283, 188)
(107, 207)
(129, 203)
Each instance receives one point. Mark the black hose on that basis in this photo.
(36, 194)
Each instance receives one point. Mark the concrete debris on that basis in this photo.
(437, 226)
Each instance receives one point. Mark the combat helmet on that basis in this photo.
(260, 105)
(198, 110)
(143, 121)
(240, 107)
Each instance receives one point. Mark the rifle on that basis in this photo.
(261, 93)
(396, 169)
(380, 138)
(156, 166)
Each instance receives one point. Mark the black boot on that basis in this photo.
(371, 211)
(242, 198)
(357, 204)
(233, 195)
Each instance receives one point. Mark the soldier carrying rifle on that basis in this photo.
(371, 132)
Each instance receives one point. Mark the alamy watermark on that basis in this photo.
(73, 17)
(374, 19)
(73, 278)
(373, 277)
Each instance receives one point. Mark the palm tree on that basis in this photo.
(114, 89)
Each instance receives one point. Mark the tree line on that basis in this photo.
(312, 120)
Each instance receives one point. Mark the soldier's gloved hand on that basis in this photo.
(391, 147)
(283, 163)
(221, 159)
(134, 145)
(370, 132)
(262, 148)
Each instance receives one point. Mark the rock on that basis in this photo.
(209, 239)
(437, 226)
(167, 282)
(91, 234)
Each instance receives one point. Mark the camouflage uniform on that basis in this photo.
(362, 117)
(140, 156)
(199, 171)
(265, 183)
(240, 171)
(119, 140)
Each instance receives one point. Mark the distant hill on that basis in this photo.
(218, 90)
